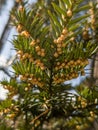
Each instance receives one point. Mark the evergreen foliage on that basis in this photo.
(55, 42)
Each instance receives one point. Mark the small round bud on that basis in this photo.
(63, 64)
(31, 60)
(59, 45)
(59, 40)
(11, 115)
(62, 37)
(78, 61)
(26, 88)
(59, 49)
(58, 63)
(65, 31)
(19, 28)
(21, 8)
(85, 35)
(39, 53)
(20, 52)
(78, 127)
(72, 39)
(92, 114)
(25, 33)
(56, 54)
(32, 43)
(69, 13)
(55, 41)
(43, 50)
(26, 55)
(42, 68)
(38, 41)
(42, 54)
(37, 48)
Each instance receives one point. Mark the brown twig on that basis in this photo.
(43, 113)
